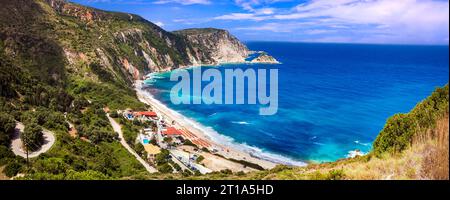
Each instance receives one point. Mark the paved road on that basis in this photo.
(118, 130)
(182, 165)
(183, 157)
(16, 143)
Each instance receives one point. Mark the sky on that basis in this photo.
(334, 21)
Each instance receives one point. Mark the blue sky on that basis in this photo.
(341, 21)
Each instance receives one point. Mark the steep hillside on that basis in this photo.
(104, 45)
(54, 48)
(61, 62)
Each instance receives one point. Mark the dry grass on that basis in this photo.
(436, 158)
(2, 175)
(426, 159)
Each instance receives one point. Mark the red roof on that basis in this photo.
(171, 131)
(146, 113)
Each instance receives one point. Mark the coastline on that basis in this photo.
(219, 64)
(225, 145)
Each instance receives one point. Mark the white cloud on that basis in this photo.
(183, 2)
(252, 14)
(384, 21)
(423, 20)
(241, 16)
(264, 11)
(272, 27)
(279, 27)
(160, 24)
(249, 5)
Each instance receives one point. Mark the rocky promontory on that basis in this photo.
(264, 58)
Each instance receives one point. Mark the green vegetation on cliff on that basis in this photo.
(39, 84)
(399, 131)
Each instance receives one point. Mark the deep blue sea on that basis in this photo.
(333, 98)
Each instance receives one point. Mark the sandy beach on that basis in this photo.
(182, 123)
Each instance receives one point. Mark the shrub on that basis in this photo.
(204, 149)
(139, 148)
(165, 168)
(248, 164)
(400, 129)
(51, 165)
(175, 165)
(85, 175)
(396, 135)
(5, 154)
(162, 157)
(335, 174)
(32, 137)
(114, 114)
(7, 128)
(200, 159)
(12, 169)
(280, 168)
(226, 171)
(186, 173)
(189, 143)
(98, 136)
(240, 173)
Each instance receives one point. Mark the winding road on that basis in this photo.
(16, 142)
(118, 130)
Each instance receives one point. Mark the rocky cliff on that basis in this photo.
(95, 44)
(214, 46)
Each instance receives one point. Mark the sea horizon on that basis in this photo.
(349, 43)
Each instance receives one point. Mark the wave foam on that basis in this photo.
(360, 143)
(352, 154)
(241, 123)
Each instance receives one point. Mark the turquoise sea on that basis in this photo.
(333, 98)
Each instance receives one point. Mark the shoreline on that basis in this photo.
(224, 144)
(216, 65)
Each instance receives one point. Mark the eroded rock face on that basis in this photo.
(120, 45)
(131, 69)
(83, 13)
(196, 47)
(215, 46)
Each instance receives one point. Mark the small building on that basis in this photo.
(147, 114)
(152, 151)
(171, 132)
(140, 115)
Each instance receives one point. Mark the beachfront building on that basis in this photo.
(140, 115)
(152, 151)
(146, 115)
(174, 134)
(171, 132)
